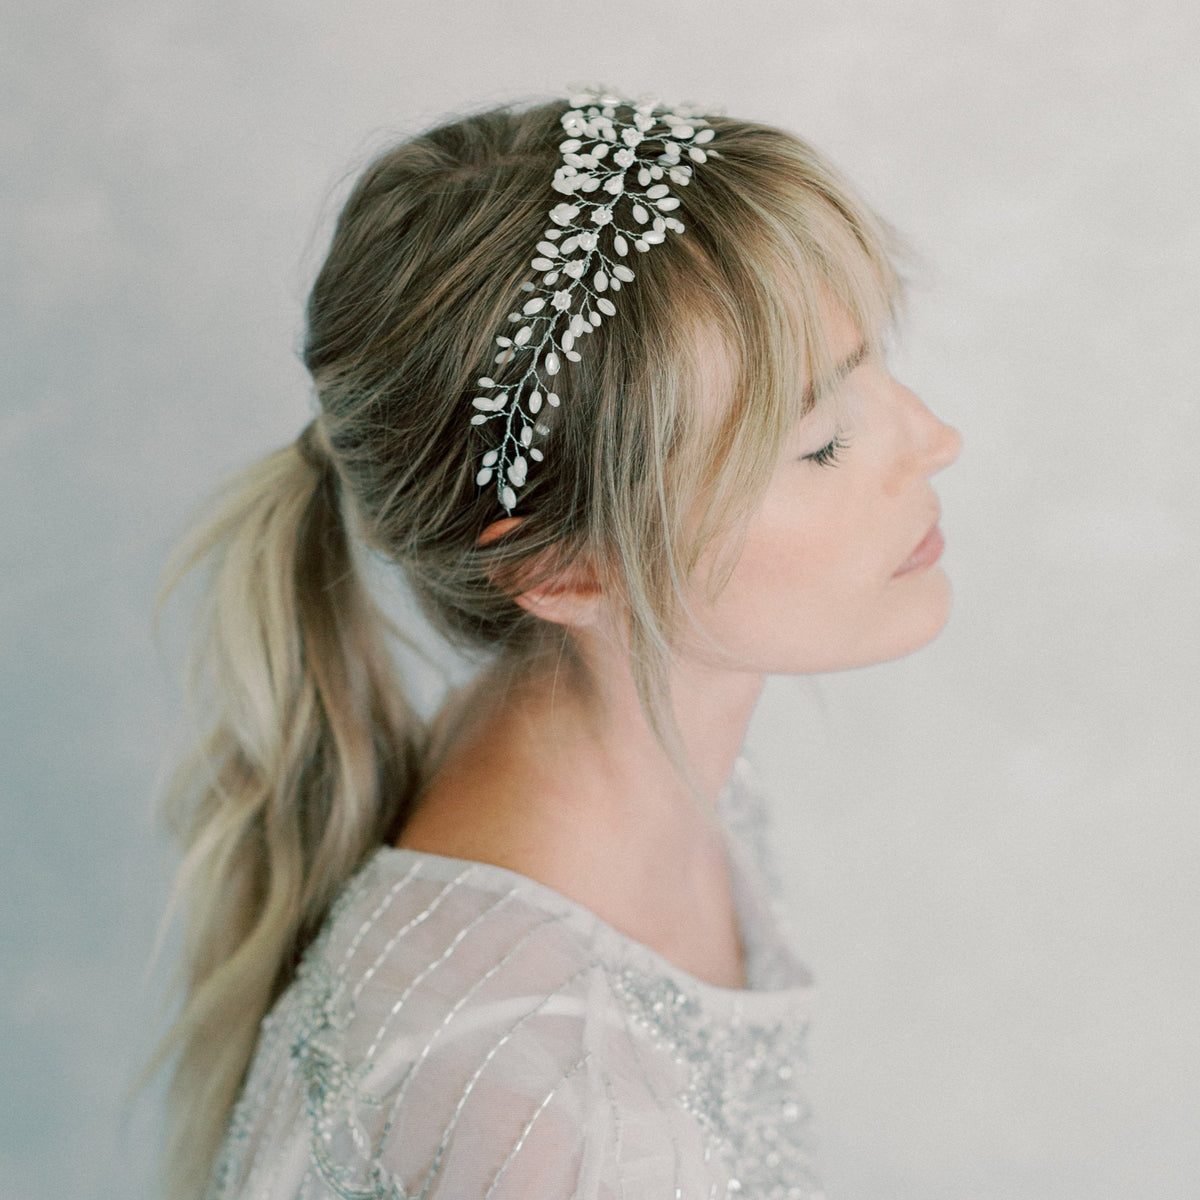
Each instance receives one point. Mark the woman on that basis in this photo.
(605, 380)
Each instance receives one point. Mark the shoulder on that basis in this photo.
(449, 1037)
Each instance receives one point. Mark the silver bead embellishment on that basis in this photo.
(618, 173)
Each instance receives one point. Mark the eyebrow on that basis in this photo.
(852, 360)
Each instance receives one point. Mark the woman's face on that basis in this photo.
(839, 564)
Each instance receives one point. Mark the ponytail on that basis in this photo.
(306, 761)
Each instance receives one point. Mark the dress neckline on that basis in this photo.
(761, 937)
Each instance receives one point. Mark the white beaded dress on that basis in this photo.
(458, 1031)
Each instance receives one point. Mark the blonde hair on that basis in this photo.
(311, 752)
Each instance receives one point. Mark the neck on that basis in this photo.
(575, 791)
(592, 759)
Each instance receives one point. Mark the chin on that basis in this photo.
(926, 615)
(911, 622)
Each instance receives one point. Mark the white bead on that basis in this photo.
(523, 335)
(526, 435)
(668, 202)
(551, 363)
(508, 498)
(601, 281)
(548, 248)
(620, 245)
(483, 476)
(659, 189)
(705, 135)
(536, 455)
(534, 306)
(623, 273)
(478, 419)
(552, 399)
(489, 459)
(484, 381)
(640, 214)
(535, 401)
(697, 154)
(606, 306)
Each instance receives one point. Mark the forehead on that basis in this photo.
(842, 347)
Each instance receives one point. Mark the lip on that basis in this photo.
(926, 554)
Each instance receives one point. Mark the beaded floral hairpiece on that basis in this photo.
(618, 174)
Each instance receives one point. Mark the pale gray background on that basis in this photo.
(991, 848)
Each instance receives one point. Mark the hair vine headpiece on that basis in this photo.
(618, 174)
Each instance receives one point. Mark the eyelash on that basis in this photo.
(830, 455)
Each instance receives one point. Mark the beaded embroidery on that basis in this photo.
(741, 1087)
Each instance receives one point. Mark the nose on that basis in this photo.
(935, 445)
(928, 444)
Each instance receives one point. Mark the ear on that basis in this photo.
(570, 597)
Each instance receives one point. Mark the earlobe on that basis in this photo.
(563, 600)
(570, 597)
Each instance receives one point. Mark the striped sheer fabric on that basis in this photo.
(460, 1031)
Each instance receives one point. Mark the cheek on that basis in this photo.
(798, 563)
(815, 543)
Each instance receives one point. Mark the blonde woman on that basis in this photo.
(603, 379)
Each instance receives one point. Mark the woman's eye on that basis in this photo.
(830, 454)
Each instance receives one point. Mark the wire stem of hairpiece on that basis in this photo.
(618, 173)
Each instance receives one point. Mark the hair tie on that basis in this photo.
(314, 446)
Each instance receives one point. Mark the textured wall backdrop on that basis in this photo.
(991, 848)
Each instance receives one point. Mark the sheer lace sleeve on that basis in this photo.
(436, 1046)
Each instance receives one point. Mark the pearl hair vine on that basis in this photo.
(618, 174)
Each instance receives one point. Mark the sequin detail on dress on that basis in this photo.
(742, 1081)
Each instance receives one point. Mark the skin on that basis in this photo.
(574, 791)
